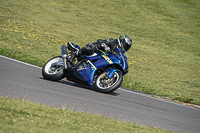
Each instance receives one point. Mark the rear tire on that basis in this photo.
(105, 85)
(51, 72)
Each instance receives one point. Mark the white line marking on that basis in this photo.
(151, 96)
(20, 62)
(126, 90)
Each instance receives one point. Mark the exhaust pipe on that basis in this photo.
(64, 54)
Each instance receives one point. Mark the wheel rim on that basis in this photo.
(104, 83)
(54, 66)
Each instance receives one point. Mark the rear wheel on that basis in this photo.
(106, 85)
(53, 69)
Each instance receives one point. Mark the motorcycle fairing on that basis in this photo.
(73, 47)
(84, 71)
(74, 76)
(88, 72)
(100, 61)
(124, 62)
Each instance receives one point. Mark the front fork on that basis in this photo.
(64, 55)
(111, 71)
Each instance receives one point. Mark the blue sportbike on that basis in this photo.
(102, 70)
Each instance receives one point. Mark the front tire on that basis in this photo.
(53, 69)
(106, 85)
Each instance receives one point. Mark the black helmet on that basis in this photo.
(125, 41)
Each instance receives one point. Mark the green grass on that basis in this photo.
(164, 59)
(21, 116)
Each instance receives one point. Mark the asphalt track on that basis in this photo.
(22, 80)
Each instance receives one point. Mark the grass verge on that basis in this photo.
(23, 116)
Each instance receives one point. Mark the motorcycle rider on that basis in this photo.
(108, 45)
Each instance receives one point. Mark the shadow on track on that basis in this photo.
(81, 86)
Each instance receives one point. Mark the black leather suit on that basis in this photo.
(108, 45)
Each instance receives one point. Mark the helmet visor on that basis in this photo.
(127, 47)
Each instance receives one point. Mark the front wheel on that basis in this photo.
(105, 85)
(53, 69)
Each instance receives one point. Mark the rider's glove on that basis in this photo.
(106, 48)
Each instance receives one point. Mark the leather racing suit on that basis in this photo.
(108, 45)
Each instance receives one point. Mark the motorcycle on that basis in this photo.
(102, 70)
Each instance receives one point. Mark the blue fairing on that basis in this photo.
(99, 61)
(102, 60)
(73, 47)
(88, 72)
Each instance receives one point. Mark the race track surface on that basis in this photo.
(21, 80)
